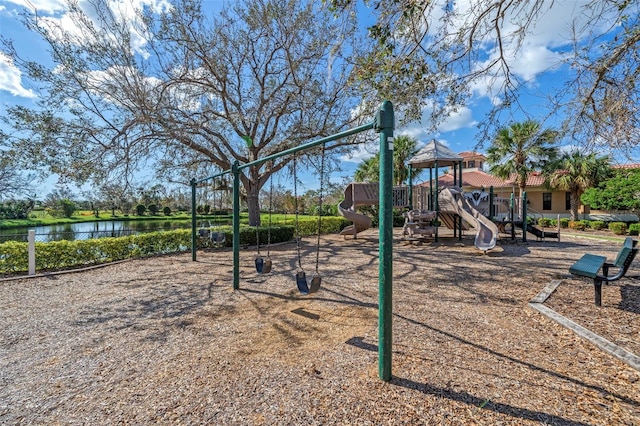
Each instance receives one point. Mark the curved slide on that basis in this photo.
(357, 194)
(487, 235)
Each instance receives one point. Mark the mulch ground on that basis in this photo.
(167, 341)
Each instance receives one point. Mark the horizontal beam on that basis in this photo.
(308, 145)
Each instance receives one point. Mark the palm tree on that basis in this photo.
(519, 150)
(368, 170)
(404, 147)
(575, 172)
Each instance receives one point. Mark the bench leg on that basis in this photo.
(597, 284)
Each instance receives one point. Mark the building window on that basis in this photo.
(471, 164)
(546, 201)
(567, 201)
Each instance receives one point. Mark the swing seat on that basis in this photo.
(203, 233)
(259, 264)
(266, 267)
(301, 281)
(315, 283)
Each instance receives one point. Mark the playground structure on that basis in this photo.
(420, 222)
(366, 194)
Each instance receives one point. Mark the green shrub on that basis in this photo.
(166, 211)
(57, 255)
(140, 209)
(597, 225)
(578, 225)
(618, 228)
(545, 222)
(564, 222)
(634, 229)
(153, 209)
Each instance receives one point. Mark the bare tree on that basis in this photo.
(181, 90)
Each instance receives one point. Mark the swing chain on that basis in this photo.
(270, 211)
(320, 197)
(295, 198)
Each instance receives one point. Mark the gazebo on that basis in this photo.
(435, 155)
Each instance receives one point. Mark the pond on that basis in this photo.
(89, 230)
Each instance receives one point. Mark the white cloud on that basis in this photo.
(361, 152)
(11, 78)
(42, 6)
(541, 50)
(460, 118)
(125, 12)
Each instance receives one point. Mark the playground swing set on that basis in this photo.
(263, 265)
(214, 231)
(383, 124)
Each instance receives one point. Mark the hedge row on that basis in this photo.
(619, 228)
(72, 254)
(56, 255)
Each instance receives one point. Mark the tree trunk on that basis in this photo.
(253, 196)
(253, 204)
(574, 201)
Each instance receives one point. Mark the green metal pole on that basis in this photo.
(430, 203)
(410, 183)
(524, 217)
(492, 208)
(308, 145)
(513, 218)
(435, 202)
(235, 169)
(193, 220)
(455, 183)
(385, 124)
(461, 195)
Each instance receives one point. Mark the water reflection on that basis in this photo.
(89, 230)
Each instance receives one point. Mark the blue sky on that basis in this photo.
(538, 63)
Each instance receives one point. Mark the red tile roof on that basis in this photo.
(477, 178)
(468, 154)
(474, 178)
(534, 179)
(626, 166)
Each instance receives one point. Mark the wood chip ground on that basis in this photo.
(167, 341)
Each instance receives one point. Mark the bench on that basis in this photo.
(589, 265)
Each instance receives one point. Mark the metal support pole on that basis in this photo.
(436, 206)
(194, 241)
(461, 195)
(385, 124)
(430, 203)
(524, 217)
(31, 239)
(410, 190)
(235, 169)
(512, 202)
(492, 208)
(455, 183)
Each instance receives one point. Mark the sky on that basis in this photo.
(538, 63)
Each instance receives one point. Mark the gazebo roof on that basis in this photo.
(434, 151)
